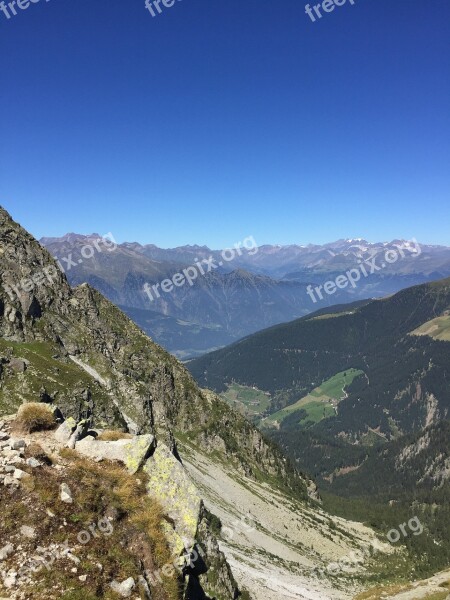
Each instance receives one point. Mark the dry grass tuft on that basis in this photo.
(34, 416)
(113, 436)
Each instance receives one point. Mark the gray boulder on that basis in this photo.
(79, 433)
(18, 365)
(65, 430)
(170, 484)
(17, 444)
(132, 452)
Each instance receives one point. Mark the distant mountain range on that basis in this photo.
(253, 291)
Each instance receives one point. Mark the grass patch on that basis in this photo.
(102, 493)
(61, 377)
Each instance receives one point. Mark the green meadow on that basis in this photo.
(320, 403)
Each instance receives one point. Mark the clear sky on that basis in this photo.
(217, 120)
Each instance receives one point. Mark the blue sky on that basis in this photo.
(219, 120)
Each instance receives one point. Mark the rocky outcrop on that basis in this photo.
(31, 282)
(201, 567)
(169, 482)
(218, 578)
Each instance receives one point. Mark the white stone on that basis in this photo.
(9, 480)
(28, 532)
(73, 558)
(6, 551)
(125, 588)
(10, 580)
(132, 452)
(64, 431)
(19, 474)
(65, 493)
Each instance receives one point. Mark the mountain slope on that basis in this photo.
(381, 441)
(403, 388)
(74, 350)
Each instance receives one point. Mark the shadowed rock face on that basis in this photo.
(31, 282)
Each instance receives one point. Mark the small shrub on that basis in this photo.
(34, 416)
(112, 436)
